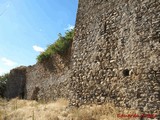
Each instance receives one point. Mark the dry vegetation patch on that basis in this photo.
(31, 110)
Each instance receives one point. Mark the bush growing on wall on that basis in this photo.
(60, 46)
(3, 81)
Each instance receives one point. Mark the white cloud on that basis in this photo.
(70, 27)
(38, 49)
(8, 62)
(2, 71)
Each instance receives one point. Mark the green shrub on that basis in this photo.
(59, 47)
(3, 81)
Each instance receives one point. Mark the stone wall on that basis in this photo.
(44, 81)
(115, 58)
(48, 80)
(16, 84)
(116, 54)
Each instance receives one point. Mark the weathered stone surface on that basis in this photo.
(42, 81)
(48, 80)
(16, 84)
(121, 43)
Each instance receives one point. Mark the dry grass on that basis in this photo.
(32, 110)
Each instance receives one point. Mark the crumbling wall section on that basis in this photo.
(49, 80)
(43, 81)
(16, 83)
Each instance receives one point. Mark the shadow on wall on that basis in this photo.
(16, 83)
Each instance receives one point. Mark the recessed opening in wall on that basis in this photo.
(125, 72)
(95, 61)
(22, 95)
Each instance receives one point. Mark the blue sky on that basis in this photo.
(28, 26)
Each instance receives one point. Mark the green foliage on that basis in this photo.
(59, 47)
(3, 81)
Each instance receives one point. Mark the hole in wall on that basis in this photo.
(35, 94)
(125, 72)
(95, 61)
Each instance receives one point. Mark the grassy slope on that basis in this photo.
(32, 110)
